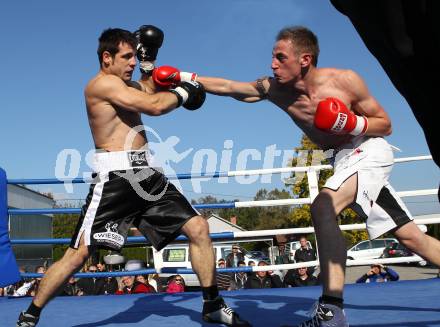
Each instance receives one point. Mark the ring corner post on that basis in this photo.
(8, 264)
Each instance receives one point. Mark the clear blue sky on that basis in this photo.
(49, 53)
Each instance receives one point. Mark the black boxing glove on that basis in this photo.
(150, 39)
(191, 94)
(134, 84)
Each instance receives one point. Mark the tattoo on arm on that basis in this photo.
(260, 87)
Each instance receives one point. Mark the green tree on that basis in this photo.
(63, 226)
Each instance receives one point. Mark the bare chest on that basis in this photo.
(302, 109)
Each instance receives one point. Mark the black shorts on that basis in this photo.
(141, 197)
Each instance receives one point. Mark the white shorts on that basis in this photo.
(371, 158)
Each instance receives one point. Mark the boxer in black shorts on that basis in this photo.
(126, 190)
(113, 205)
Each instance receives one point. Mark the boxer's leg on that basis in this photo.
(53, 279)
(200, 250)
(332, 249)
(215, 310)
(58, 273)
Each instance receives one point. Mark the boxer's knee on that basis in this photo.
(76, 257)
(197, 229)
(412, 237)
(322, 207)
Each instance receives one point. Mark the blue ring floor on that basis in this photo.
(400, 304)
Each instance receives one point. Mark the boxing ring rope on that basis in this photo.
(226, 235)
(312, 178)
(36, 181)
(184, 271)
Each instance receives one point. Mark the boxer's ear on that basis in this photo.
(305, 59)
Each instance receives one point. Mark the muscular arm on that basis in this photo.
(379, 124)
(115, 91)
(242, 91)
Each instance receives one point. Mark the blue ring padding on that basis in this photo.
(177, 270)
(35, 181)
(131, 239)
(229, 205)
(44, 211)
(98, 275)
(142, 272)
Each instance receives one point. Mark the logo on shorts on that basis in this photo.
(137, 158)
(110, 236)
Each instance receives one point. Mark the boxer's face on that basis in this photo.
(123, 63)
(287, 66)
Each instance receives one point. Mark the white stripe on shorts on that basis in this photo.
(90, 214)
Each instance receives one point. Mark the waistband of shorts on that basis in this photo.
(353, 144)
(120, 160)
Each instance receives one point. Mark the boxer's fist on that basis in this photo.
(190, 94)
(150, 39)
(167, 76)
(333, 116)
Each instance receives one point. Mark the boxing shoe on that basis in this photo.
(217, 311)
(325, 315)
(27, 320)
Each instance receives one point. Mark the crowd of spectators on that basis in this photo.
(176, 283)
(95, 285)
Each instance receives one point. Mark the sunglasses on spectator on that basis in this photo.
(93, 270)
(178, 280)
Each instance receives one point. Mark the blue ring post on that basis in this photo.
(9, 273)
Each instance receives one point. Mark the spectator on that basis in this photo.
(223, 279)
(305, 253)
(251, 263)
(71, 288)
(105, 285)
(31, 287)
(126, 285)
(282, 257)
(234, 257)
(89, 286)
(11, 289)
(238, 280)
(263, 279)
(176, 284)
(154, 281)
(379, 273)
(300, 277)
(101, 267)
(141, 285)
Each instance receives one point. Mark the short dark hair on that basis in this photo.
(110, 40)
(303, 39)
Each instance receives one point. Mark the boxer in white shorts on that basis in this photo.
(371, 159)
(334, 108)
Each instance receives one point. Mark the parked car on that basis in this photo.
(369, 249)
(396, 250)
(177, 256)
(258, 256)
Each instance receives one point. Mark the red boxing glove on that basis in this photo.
(167, 76)
(333, 116)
